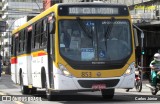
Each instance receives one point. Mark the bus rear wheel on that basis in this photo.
(33, 90)
(108, 93)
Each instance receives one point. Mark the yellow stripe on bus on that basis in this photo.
(23, 55)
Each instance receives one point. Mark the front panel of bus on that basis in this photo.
(95, 46)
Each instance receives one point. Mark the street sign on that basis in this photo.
(2, 26)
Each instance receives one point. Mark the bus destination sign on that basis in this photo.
(101, 10)
(91, 10)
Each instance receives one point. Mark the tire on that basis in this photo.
(154, 91)
(24, 89)
(138, 85)
(108, 93)
(33, 90)
(127, 90)
(49, 94)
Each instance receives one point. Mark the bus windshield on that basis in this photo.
(89, 40)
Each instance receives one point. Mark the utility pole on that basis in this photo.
(142, 48)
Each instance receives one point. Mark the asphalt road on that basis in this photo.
(9, 89)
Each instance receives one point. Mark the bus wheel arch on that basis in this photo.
(43, 77)
(20, 75)
(49, 92)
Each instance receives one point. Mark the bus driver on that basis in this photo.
(66, 36)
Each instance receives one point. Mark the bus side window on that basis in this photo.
(17, 45)
(20, 42)
(32, 40)
(29, 39)
(37, 35)
(13, 45)
(24, 40)
(44, 33)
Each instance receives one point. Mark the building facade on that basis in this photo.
(13, 11)
(0, 20)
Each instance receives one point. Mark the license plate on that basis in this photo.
(99, 86)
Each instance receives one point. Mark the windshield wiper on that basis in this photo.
(81, 24)
(109, 29)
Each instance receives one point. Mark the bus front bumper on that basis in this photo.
(71, 83)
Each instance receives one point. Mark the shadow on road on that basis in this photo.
(81, 97)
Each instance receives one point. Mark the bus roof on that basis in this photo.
(91, 3)
(49, 10)
(39, 16)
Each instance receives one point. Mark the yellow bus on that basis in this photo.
(75, 47)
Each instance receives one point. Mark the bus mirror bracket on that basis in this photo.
(52, 26)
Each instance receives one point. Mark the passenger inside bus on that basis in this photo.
(75, 40)
(84, 43)
(66, 36)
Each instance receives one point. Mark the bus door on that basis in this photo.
(50, 49)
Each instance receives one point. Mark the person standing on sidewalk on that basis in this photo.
(0, 65)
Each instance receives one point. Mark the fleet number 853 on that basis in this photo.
(86, 74)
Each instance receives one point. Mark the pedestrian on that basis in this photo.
(0, 65)
(155, 69)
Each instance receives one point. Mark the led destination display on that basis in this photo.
(92, 10)
(95, 11)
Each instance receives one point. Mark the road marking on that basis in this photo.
(2, 93)
(18, 102)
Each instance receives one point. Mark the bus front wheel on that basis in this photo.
(49, 94)
(108, 93)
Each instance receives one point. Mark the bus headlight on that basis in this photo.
(130, 69)
(64, 71)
